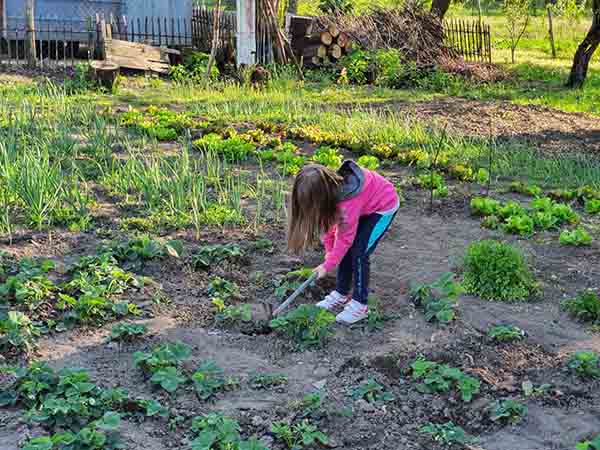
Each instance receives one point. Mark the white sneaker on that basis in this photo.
(352, 313)
(332, 300)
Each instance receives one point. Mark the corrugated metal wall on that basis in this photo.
(158, 8)
(60, 11)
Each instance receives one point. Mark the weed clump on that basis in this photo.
(584, 364)
(497, 271)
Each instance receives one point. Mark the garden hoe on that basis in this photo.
(283, 306)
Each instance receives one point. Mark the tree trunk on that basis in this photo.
(551, 32)
(585, 51)
(215, 38)
(30, 43)
(440, 7)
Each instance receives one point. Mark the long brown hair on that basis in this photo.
(313, 207)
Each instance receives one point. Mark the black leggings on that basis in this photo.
(355, 264)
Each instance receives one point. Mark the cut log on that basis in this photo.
(104, 73)
(334, 31)
(349, 46)
(316, 60)
(326, 38)
(322, 51)
(342, 40)
(335, 51)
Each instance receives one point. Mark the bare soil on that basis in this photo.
(540, 127)
(419, 247)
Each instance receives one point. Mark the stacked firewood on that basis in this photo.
(322, 47)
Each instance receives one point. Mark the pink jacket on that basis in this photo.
(363, 193)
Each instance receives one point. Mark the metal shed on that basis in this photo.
(56, 13)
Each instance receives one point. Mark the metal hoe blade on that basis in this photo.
(296, 293)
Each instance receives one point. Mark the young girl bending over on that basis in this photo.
(350, 209)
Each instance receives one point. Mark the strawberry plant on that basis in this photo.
(162, 365)
(328, 157)
(209, 380)
(221, 215)
(217, 432)
(436, 377)
(134, 253)
(291, 281)
(98, 435)
(584, 364)
(484, 206)
(17, 333)
(508, 411)
(168, 378)
(594, 444)
(376, 317)
(585, 307)
(299, 435)
(592, 206)
(383, 151)
(497, 271)
(577, 237)
(222, 289)
(563, 194)
(372, 392)
(447, 433)
(268, 380)
(30, 285)
(438, 299)
(368, 162)
(212, 255)
(232, 314)
(127, 332)
(307, 325)
(31, 385)
(152, 408)
(505, 333)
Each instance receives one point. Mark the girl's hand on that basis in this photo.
(320, 271)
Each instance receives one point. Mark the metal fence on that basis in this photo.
(57, 46)
(471, 40)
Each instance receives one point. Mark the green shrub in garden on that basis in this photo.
(585, 307)
(368, 162)
(232, 149)
(592, 206)
(328, 157)
(497, 271)
(483, 206)
(577, 237)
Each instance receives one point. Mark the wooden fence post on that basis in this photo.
(30, 41)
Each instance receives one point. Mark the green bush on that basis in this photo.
(584, 364)
(521, 225)
(368, 162)
(497, 271)
(232, 149)
(328, 156)
(483, 206)
(577, 237)
(357, 67)
(585, 307)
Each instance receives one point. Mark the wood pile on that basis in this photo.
(318, 48)
(417, 33)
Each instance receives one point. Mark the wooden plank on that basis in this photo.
(137, 56)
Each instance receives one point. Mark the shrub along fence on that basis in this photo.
(471, 40)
